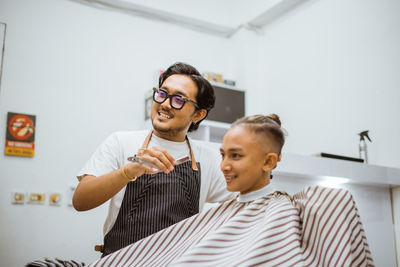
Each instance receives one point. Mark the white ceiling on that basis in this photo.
(218, 17)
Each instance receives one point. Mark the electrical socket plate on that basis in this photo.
(54, 199)
(36, 198)
(18, 197)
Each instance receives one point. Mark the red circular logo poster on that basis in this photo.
(21, 127)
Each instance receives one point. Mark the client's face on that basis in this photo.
(243, 158)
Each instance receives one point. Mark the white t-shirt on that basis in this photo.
(112, 155)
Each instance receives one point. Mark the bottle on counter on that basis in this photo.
(362, 147)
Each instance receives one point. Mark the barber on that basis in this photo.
(154, 192)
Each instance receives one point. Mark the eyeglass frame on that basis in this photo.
(185, 99)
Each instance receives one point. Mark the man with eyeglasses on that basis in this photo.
(146, 174)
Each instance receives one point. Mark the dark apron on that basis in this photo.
(154, 202)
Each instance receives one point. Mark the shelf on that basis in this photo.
(321, 168)
(222, 85)
(210, 131)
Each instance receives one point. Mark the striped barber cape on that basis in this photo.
(316, 227)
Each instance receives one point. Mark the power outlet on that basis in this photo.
(55, 199)
(36, 198)
(18, 198)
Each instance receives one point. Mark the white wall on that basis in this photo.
(330, 68)
(84, 72)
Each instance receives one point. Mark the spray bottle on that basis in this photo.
(363, 146)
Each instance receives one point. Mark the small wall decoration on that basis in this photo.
(20, 137)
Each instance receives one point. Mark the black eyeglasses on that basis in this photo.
(176, 101)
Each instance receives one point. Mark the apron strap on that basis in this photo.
(194, 164)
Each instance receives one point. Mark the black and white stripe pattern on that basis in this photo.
(316, 227)
(333, 234)
(54, 263)
(154, 202)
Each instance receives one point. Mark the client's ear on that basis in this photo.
(271, 160)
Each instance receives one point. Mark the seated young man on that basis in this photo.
(261, 227)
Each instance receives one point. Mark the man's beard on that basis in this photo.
(169, 131)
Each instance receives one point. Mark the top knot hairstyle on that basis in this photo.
(205, 97)
(269, 126)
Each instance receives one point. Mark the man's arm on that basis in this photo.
(93, 191)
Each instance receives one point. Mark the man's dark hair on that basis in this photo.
(205, 97)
